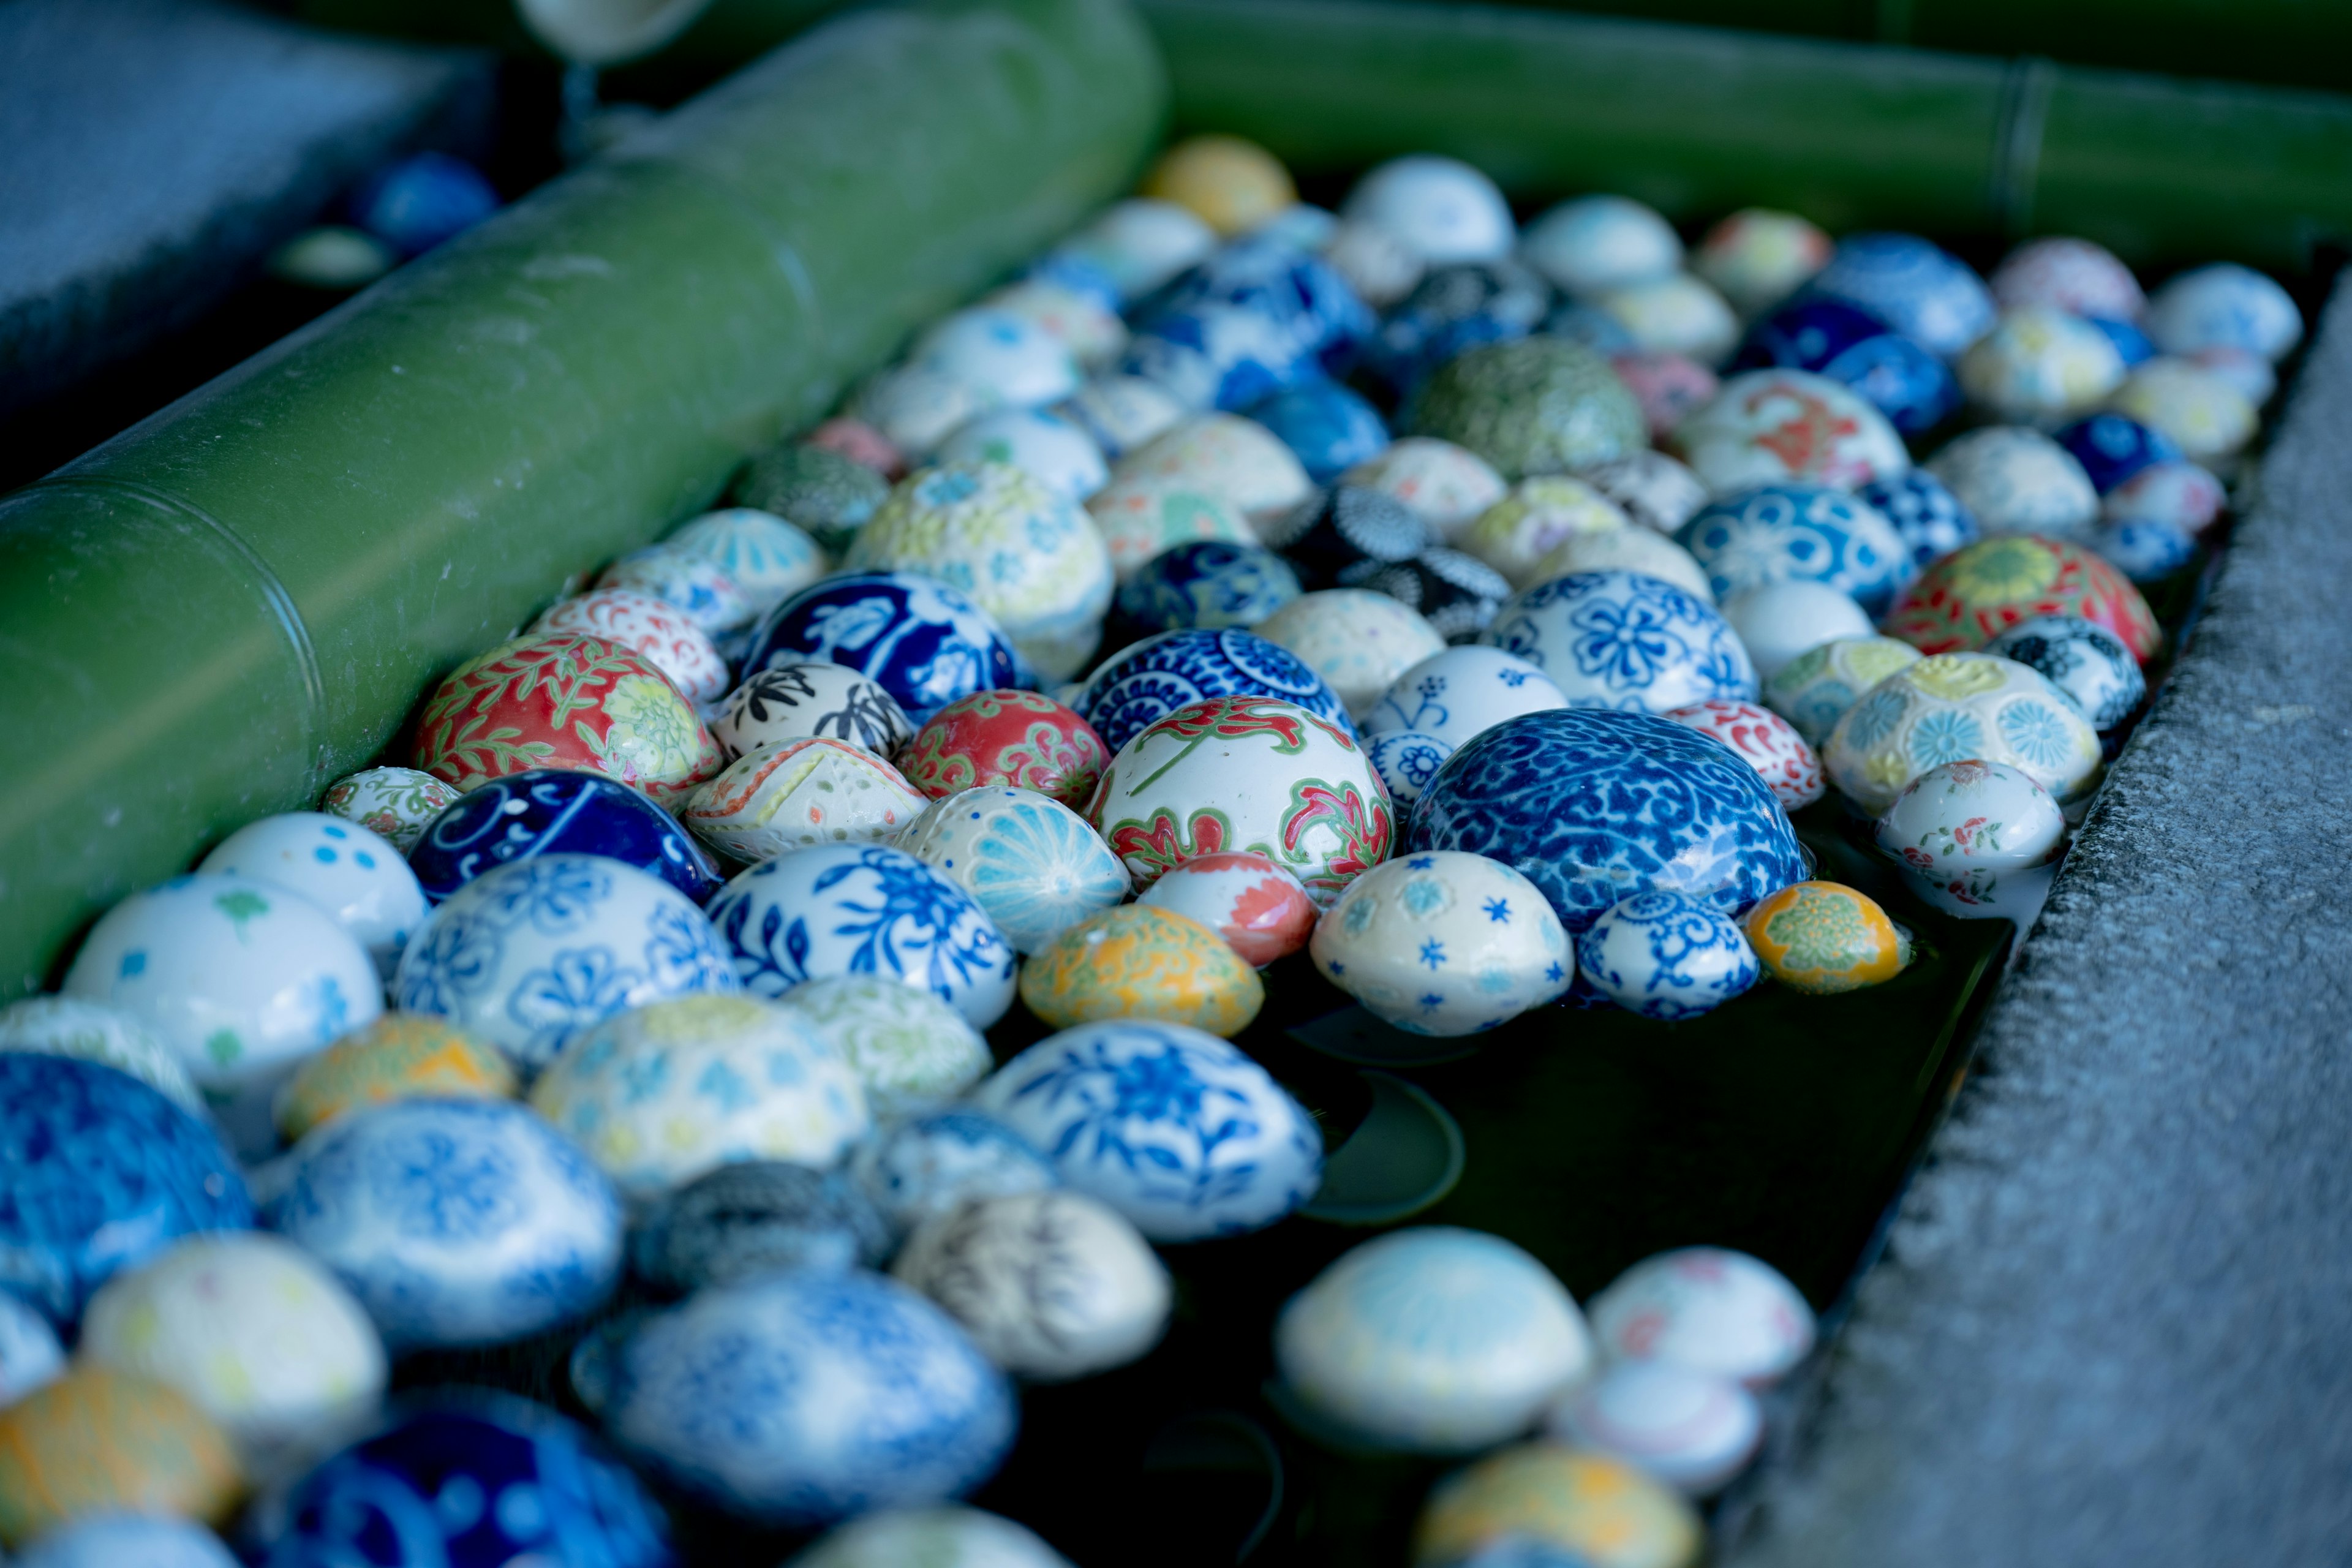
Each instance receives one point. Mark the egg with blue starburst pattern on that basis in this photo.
(1595, 806)
(1182, 1133)
(1208, 584)
(1030, 861)
(1440, 942)
(557, 811)
(1136, 688)
(1666, 956)
(1925, 514)
(1803, 533)
(921, 641)
(1625, 641)
(1923, 290)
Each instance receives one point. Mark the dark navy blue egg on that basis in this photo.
(923, 642)
(1143, 684)
(1918, 288)
(2112, 448)
(420, 201)
(1927, 516)
(1329, 428)
(1858, 348)
(557, 811)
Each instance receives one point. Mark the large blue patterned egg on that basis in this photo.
(1666, 956)
(1332, 428)
(1456, 308)
(1929, 294)
(929, 1163)
(1029, 860)
(1208, 584)
(1593, 808)
(1803, 533)
(2112, 448)
(1620, 639)
(1847, 343)
(801, 1398)
(455, 1222)
(1925, 515)
(864, 909)
(1212, 355)
(919, 640)
(1144, 684)
(98, 1172)
(1178, 1131)
(2224, 306)
(467, 1478)
(530, 953)
(557, 811)
(1300, 293)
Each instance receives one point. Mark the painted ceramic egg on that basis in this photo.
(1030, 862)
(2014, 481)
(1259, 907)
(1925, 292)
(1010, 359)
(114, 1540)
(1275, 278)
(30, 1355)
(1823, 938)
(1593, 244)
(823, 492)
(1245, 772)
(2224, 306)
(2086, 662)
(1075, 304)
(260, 1336)
(1668, 386)
(396, 803)
(455, 1222)
(100, 1172)
(788, 794)
(936, 1160)
(1142, 243)
(1925, 515)
(1142, 520)
(909, 1048)
(1804, 532)
(1620, 639)
(1856, 348)
(1650, 488)
(659, 1095)
(787, 702)
(920, 640)
(1595, 1509)
(2039, 365)
(1122, 413)
(2145, 549)
(1758, 257)
(1537, 515)
(1813, 690)
(1707, 1309)
(1540, 406)
(1212, 355)
(1356, 641)
(565, 701)
(1342, 528)
(2130, 341)
(1975, 595)
(2072, 275)
(864, 909)
(2205, 415)
(1453, 309)
(1461, 691)
(2113, 448)
(1406, 761)
(1381, 267)
(1781, 756)
(1444, 943)
(99, 1441)
(1634, 550)
(1594, 807)
(765, 556)
(1666, 956)
(1145, 683)
(1208, 584)
(1782, 426)
(1588, 324)
(1049, 449)
(1457, 595)
(1440, 209)
(757, 1216)
(1182, 1133)
(1331, 428)
(1779, 621)
(1432, 1339)
(1965, 817)
(1141, 962)
(857, 441)
(2181, 494)
(948, 1537)
(1689, 1429)
(2253, 376)
(464, 1477)
(1677, 314)
(1446, 486)
(917, 406)
(1236, 460)
(800, 1398)
(240, 978)
(415, 203)
(1954, 706)
(1231, 183)
(647, 627)
(695, 587)
(93, 1032)
(401, 1056)
(1016, 739)
(551, 812)
(989, 1263)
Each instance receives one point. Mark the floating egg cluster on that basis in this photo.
(1462, 607)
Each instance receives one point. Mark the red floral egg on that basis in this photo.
(1256, 906)
(565, 701)
(1975, 593)
(1015, 738)
(1769, 742)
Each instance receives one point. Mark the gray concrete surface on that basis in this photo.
(2113, 1322)
(153, 151)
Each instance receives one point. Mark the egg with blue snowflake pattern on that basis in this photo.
(1666, 956)
(1442, 942)
(1625, 641)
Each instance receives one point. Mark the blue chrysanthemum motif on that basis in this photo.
(1666, 956)
(1144, 684)
(1925, 515)
(1208, 584)
(2038, 734)
(1406, 761)
(1810, 534)
(1945, 735)
(557, 811)
(1919, 288)
(1593, 808)
(923, 642)
(1625, 641)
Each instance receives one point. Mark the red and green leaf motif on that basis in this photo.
(1015, 738)
(1153, 848)
(1363, 825)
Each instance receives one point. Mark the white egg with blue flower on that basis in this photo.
(1406, 761)
(1458, 693)
(1625, 641)
(1444, 943)
(1666, 956)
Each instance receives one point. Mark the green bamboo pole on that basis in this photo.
(222, 609)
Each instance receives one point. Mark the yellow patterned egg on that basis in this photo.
(1231, 184)
(401, 1056)
(1594, 1508)
(1141, 962)
(1958, 707)
(101, 1441)
(1535, 518)
(1822, 937)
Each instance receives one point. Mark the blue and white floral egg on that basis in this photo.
(688, 581)
(1441, 942)
(2015, 481)
(1329, 427)
(1810, 534)
(2146, 550)
(1708, 1309)
(1927, 293)
(1623, 640)
(2086, 661)
(1591, 244)
(1459, 693)
(1122, 413)
(465, 1476)
(558, 810)
(348, 870)
(1406, 761)
(125, 1540)
(529, 953)
(92, 1032)
(1139, 244)
(936, 1536)
(936, 1160)
(241, 979)
(1666, 956)
(1143, 685)
(1954, 706)
(1179, 1131)
(1857, 348)
(1925, 514)
(770, 559)
(1441, 209)
(2224, 306)
(1012, 361)
(1208, 584)
(98, 1172)
(1286, 284)
(1027, 859)
(455, 1222)
(864, 909)
(1047, 447)
(799, 701)
(801, 1398)
(1593, 808)
(1214, 355)
(30, 1355)
(2039, 365)
(924, 643)
(1433, 1339)
(2113, 448)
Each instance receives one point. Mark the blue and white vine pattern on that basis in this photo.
(1625, 640)
(1666, 956)
(1798, 532)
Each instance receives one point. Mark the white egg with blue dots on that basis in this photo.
(1444, 942)
(352, 872)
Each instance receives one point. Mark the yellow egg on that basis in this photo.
(1231, 184)
(100, 1441)
(1141, 962)
(401, 1056)
(1595, 1508)
(1823, 937)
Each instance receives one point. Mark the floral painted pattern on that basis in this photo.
(1822, 937)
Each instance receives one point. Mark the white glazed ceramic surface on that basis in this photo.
(2069, 275)
(1758, 257)
(770, 559)
(1259, 907)
(1444, 943)
(1029, 860)
(1521, 529)
(909, 1048)
(1441, 209)
(1406, 761)
(1047, 447)
(1122, 413)
(795, 701)
(2208, 417)
(1446, 486)
(1010, 359)
(2179, 493)
(1237, 461)
(1666, 956)
(1708, 1309)
(1675, 314)
(349, 871)
(2224, 306)
(1462, 693)
(1142, 243)
(794, 794)
(645, 625)
(30, 1355)
(932, 1537)
(1780, 620)
(1356, 641)
(1081, 320)
(688, 581)
(1692, 1430)
(1770, 426)
(1593, 244)
(70, 1027)
(1635, 550)
(1964, 819)
(917, 406)
(2019, 481)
